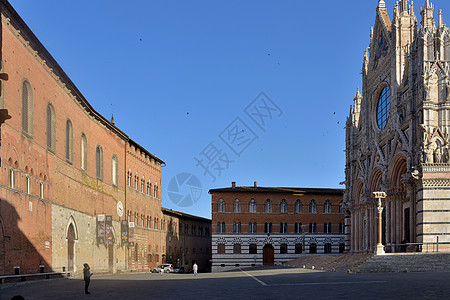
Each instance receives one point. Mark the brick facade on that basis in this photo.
(277, 217)
(64, 166)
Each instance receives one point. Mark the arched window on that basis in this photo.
(99, 162)
(283, 207)
(383, 107)
(83, 152)
(268, 227)
(223, 227)
(252, 206)
(115, 170)
(298, 206)
(219, 227)
(221, 206)
(341, 228)
(69, 141)
(236, 206)
(268, 206)
(298, 228)
(41, 189)
(252, 227)
(312, 207)
(142, 185)
(51, 135)
(327, 207)
(341, 210)
(136, 181)
(283, 227)
(129, 178)
(155, 190)
(149, 190)
(237, 227)
(27, 108)
(326, 227)
(312, 228)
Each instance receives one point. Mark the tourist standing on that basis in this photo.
(195, 268)
(87, 277)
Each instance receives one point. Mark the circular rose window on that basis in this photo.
(383, 106)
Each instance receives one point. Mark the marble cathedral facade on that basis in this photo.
(397, 133)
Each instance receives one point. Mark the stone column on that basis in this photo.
(380, 248)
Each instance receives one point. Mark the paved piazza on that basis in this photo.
(263, 283)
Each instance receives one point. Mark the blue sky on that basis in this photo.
(176, 74)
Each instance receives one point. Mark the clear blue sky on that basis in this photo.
(175, 74)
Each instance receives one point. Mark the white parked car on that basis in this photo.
(166, 267)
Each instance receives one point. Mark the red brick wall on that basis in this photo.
(260, 217)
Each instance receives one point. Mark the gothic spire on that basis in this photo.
(381, 4)
(441, 21)
(403, 6)
(427, 15)
(411, 9)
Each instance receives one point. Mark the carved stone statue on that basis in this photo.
(429, 155)
(445, 155)
(437, 155)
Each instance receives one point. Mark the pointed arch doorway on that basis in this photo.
(70, 248)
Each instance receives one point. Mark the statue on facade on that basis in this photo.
(429, 155)
(445, 155)
(437, 155)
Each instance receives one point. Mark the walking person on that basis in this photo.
(87, 277)
(195, 268)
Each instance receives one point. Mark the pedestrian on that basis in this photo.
(87, 277)
(195, 268)
(162, 270)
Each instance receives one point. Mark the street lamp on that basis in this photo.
(380, 247)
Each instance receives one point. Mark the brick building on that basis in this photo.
(397, 134)
(74, 188)
(269, 225)
(190, 243)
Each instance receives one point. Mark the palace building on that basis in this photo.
(255, 225)
(74, 188)
(397, 134)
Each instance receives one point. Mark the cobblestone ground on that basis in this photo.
(261, 283)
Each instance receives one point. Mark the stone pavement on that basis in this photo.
(256, 283)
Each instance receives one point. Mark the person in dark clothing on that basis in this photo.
(87, 277)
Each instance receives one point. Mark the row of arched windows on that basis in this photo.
(27, 129)
(141, 185)
(298, 227)
(149, 222)
(32, 183)
(252, 206)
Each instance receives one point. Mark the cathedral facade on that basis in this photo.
(397, 134)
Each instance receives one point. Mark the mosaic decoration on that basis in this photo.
(382, 49)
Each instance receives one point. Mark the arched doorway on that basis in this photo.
(268, 255)
(70, 247)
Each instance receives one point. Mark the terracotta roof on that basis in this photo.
(182, 214)
(285, 190)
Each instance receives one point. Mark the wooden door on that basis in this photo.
(268, 255)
